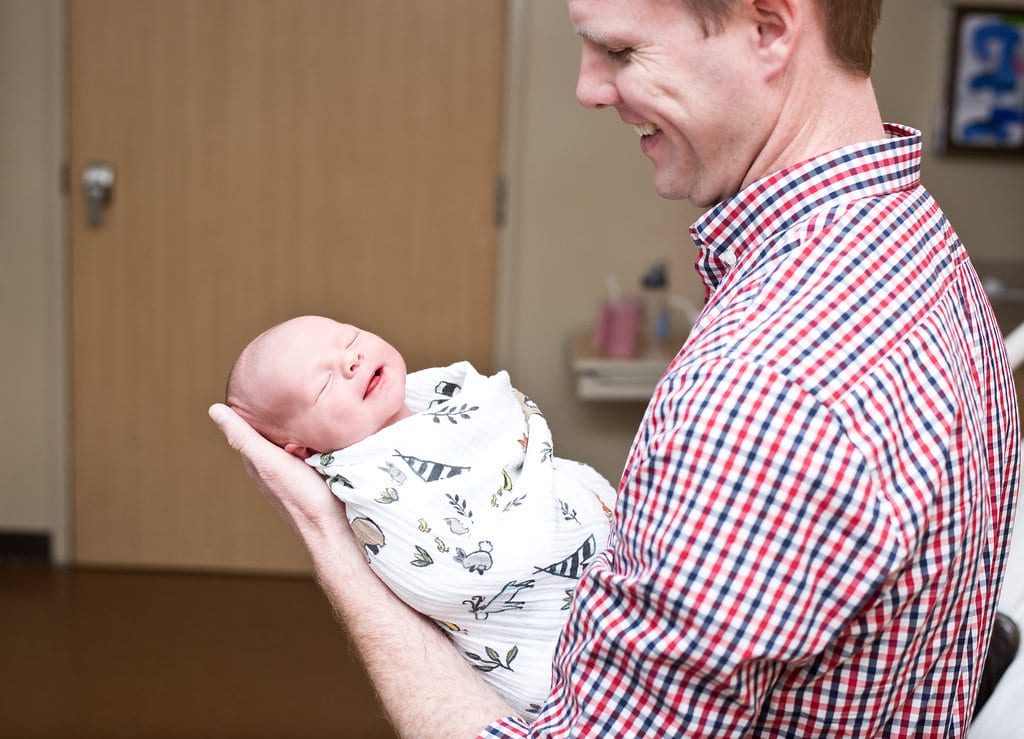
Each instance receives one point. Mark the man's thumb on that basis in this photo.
(235, 430)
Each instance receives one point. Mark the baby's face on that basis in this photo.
(333, 383)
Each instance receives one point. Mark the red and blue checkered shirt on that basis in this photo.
(814, 518)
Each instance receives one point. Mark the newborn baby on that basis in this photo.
(450, 483)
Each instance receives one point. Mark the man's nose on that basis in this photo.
(595, 87)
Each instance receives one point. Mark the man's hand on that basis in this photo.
(294, 488)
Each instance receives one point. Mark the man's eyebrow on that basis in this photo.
(591, 34)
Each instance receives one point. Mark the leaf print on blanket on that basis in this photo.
(422, 558)
(494, 660)
(461, 506)
(453, 415)
(513, 503)
(569, 513)
(326, 460)
(336, 479)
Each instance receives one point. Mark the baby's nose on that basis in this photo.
(351, 362)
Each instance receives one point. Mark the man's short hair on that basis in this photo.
(849, 26)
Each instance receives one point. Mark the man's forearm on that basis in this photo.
(425, 686)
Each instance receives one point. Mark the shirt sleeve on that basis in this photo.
(507, 727)
(749, 531)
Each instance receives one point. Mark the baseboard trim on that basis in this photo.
(24, 548)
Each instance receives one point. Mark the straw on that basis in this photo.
(612, 284)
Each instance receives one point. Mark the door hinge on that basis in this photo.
(500, 200)
(64, 178)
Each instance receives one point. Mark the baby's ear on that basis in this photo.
(299, 451)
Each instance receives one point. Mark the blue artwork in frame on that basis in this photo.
(985, 98)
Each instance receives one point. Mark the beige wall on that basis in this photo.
(32, 379)
(581, 204)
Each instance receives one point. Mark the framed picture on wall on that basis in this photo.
(984, 110)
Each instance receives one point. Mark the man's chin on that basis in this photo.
(675, 190)
(672, 191)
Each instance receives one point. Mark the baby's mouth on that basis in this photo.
(373, 383)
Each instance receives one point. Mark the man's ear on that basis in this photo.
(296, 450)
(780, 24)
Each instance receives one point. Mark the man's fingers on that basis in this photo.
(239, 434)
(271, 467)
(292, 486)
(257, 453)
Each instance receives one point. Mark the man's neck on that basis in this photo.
(830, 110)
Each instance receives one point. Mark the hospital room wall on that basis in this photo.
(581, 205)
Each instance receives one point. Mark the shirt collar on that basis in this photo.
(783, 198)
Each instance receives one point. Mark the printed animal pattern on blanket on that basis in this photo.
(468, 516)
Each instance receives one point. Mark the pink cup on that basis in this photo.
(617, 331)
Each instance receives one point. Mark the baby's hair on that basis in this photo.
(242, 367)
(246, 404)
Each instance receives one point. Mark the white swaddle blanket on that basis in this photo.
(466, 514)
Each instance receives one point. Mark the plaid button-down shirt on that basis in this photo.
(813, 521)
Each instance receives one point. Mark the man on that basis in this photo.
(813, 521)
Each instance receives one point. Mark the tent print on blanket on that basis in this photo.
(572, 566)
(430, 471)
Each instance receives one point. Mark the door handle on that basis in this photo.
(98, 187)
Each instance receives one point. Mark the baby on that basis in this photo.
(450, 483)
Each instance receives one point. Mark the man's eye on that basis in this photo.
(620, 55)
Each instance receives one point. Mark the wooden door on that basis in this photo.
(273, 158)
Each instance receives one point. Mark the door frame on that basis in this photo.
(40, 503)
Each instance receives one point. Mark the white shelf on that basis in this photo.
(600, 378)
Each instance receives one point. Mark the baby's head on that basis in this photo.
(313, 385)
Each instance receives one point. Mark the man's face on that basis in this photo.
(693, 99)
(333, 383)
